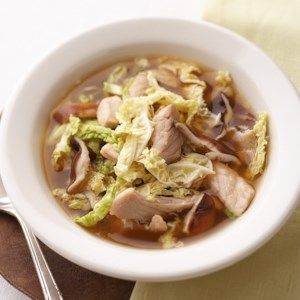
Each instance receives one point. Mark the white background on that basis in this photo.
(28, 29)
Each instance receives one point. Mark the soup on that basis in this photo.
(151, 152)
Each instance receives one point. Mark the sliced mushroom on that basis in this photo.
(81, 110)
(190, 216)
(218, 149)
(201, 217)
(226, 115)
(79, 168)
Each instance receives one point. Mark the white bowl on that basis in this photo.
(259, 79)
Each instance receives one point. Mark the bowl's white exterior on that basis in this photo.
(263, 84)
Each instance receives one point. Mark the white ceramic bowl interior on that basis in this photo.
(256, 76)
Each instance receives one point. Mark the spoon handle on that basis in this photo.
(48, 284)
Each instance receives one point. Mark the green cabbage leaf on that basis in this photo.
(136, 141)
(112, 88)
(62, 149)
(92, 130)
(260, 130)
(118, 73)
(102, 208)
(179, 174)
(153, 189)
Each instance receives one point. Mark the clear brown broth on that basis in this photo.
(111, 227)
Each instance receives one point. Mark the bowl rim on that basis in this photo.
(183, 272)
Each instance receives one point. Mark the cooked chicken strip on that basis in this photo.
(79, 168)
(108, 151)
(139, 85)
(166, 138)
(107, 109)
(232, 189)
(131, 205)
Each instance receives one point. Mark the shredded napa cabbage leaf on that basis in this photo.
(157, 166)
(182, 173)
(142, 62)
(62, 149)
(260, 130)
(74, 201)
(118, 73)
(134, 106)
(168, 239)
(135, 143)
(229, 214)
(92, 130)
(98, 182)
(112, 88)
(94, 145)
(153, 189)
(83, 98)
(104, 166)
(190, 167)
(138, 171)
(102, 208)
(187, 72)
(223, 78)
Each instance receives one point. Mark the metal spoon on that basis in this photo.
(48, 284)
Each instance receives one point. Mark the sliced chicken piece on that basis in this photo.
(158, 224)
(232, 189)
(131, 205)
(81, 110)
(79, 168)
(166, 138)
(139, 85)
(108, 151)
(217, 150)
(107, 109)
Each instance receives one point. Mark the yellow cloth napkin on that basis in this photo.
(273, 272)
